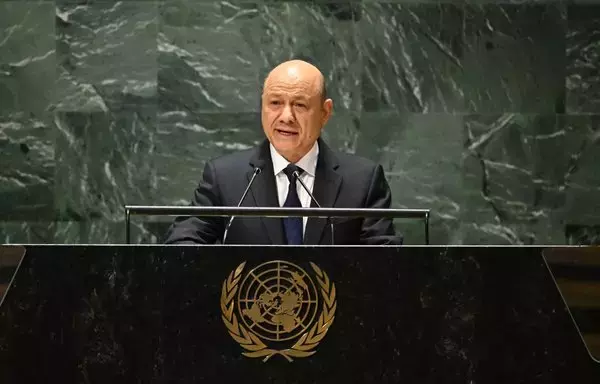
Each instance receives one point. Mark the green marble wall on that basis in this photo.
(485, 112)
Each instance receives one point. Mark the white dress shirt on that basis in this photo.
(309, 164)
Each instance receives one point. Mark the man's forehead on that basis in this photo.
(290, 83)
(294, 94)
(297, 89)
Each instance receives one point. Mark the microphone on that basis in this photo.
(297, 177)
(257, 170)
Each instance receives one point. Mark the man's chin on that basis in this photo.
(286, 149)
(285, 142)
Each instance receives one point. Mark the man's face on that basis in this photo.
(293, 113)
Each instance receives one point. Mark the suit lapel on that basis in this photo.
(264, 191)
(326, 190)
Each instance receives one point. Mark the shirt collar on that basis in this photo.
(308, 163)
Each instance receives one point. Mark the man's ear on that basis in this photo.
(327, 111)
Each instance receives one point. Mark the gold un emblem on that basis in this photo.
(279, 308)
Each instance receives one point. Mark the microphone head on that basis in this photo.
(258, 165)
(296, 174)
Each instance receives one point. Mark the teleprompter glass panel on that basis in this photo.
(576, 271)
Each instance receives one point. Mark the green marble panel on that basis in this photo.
(583, 53)
(421, 156)
(527, 176)
(27, 75)
(104, 161)
(514, 58)
(107, 54)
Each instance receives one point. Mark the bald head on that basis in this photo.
(298, 72)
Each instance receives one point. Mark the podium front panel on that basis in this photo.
(225, 314)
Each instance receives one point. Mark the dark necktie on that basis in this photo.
(293, 225)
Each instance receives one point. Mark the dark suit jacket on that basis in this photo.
(341, 181)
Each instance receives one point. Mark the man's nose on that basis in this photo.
(287, 115)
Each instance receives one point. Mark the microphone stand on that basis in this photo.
(297, 177)
(257, 170)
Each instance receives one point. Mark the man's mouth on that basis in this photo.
(286, 132)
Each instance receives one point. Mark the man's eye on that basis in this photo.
(275, 102)
(301, 105)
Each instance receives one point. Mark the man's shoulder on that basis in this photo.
(355, 162)
(234, 159)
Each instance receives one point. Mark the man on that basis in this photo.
(295, 109)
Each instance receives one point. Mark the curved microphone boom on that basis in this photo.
(297, 176)
(257, 170)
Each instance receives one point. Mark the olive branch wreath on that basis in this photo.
(254, 345)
